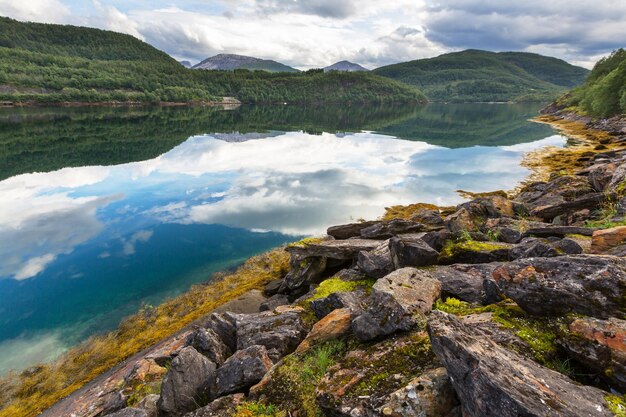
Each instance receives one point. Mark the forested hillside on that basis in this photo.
(44, 63)
(474, 75)
(604, 93)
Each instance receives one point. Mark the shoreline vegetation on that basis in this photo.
(39, 387)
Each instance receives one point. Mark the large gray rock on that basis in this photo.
(273, 302)
(279, 332)
(558, 231)
(474, 252)
(149, 404)
(532, 247)
(600, 175)
(242, 370)
(586, 284)
(303, 271)
(129, 412)
(406, 251)
(209, 343)
(398, 302)
(467, 282)
(376, 263)
(590, 201)
(223, 324)
(224, 406)
(493, 381)
(346, 231)
(188, 384)
(352, 300)
(334, 249)
(386, 230)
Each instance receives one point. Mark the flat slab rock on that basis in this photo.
(592, 285)
(334, 249)
(493, 381)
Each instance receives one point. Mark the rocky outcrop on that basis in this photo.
(585, 284)
(353, 301)
(386, 230)
(469, 282)
(398, 302)
(242, 370)
(224, 406)
(346, 231)
(208, 343)
(406, 251)
(493, 381)
(334, 249)
(188, 384)
(376, 263)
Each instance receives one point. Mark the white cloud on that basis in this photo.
(46, 11)
(130, 244)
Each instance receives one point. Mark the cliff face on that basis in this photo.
(505, 305)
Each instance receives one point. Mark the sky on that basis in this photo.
(315, 33)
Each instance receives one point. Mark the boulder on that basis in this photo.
(209, 343)
(590, 201)
(272, 287)
(188, 384)
(600, 175)
(411, 252)
(435, 239)
(334, 249)
(273, 302)
(224, 406)
(376, 263)
(558, 231)
(532, 247)
(604, 240)
(129, 412)
(429, 395)
(303, 271)
(492, 206)
(398, 302)
(618, 178)
(352, 300)
(279, 332)
(333, 326)
(473, 252)
(568, 246)
(428, 217)
(346, 231)
(459, 221)
(386, 230)
(584, 284)
(493, 381)
(149, 404)
(466, 281)
(599, 345)
(223, 324)
(555, 192)
(243, 369)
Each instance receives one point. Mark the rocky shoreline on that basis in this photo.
(502, 306)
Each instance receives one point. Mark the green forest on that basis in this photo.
(604, 92)
(473, 75)
(45, 63)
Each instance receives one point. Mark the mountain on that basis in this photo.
(232, 62)
(44, 63)
(604, 92)
(186, 64)
(345, 66)
(475, 75)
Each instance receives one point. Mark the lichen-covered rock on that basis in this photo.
(243, 369)
(129, 412)
(188, 384)
(386, 230)
(272, 287)
(406, 251)
(223, 324)
(346, 231)
(568, 246)
(334, 249)
(603, 241)
(208, 343)
(376, 263)
(600, 175)
(590, 201)
(149, 404)
(273, 302)
(398, 302)
(600, 345)
(459, 221)
(493, 381)
(585, 284)
(332, 326)
(429, 395)
(555, 192)
(279, 332)
(466, 282)
(532, 247)
(361, 382)
(224, 406)
(303, 270)
(473, 252)
(352, 300)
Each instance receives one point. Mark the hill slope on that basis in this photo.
(345, 66)
(232, 62)
(42, 63)
(604, 93)
(487, 76)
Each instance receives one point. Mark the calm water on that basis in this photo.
(102, 210)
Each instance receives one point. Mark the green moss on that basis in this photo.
(256, 409)
(616, 404)
(604, 223)
(333, 285)
(305, 242)
(294, 382)
(578, 237)
(451, 248)
(139, 392)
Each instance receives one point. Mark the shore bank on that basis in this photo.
(464, 261)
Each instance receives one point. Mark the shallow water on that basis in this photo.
(103, 210)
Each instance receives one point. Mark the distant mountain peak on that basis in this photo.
(345, 66)
(185, 64)
(229, 62)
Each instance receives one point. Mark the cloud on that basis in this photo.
(46, 11)
(325, 8)
(128, 246)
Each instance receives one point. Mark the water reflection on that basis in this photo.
(81, 247)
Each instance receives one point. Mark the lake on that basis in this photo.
(103, 210)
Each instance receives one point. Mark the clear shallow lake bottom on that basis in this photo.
(103, 210)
